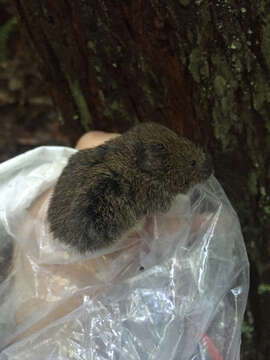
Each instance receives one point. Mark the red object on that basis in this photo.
(211, 348)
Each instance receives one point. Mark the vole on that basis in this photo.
(103, 192)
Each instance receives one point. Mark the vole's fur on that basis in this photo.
(104, 191)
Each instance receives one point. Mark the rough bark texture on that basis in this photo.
(200, 67)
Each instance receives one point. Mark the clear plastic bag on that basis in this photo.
(175, 289)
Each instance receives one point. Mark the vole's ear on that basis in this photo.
(99, 153)
(151, 158)
(88, 157)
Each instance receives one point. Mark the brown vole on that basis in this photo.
(104, 191)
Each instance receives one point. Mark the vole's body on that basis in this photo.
(103, 192)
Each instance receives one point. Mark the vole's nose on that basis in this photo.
(207, 167)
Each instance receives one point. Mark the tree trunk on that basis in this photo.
(200, 67)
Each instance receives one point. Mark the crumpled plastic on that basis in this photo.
(175, 289)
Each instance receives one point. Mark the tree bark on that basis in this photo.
(200, 67)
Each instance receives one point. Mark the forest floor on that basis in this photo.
(27, 116)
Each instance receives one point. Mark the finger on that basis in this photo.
(93, 139)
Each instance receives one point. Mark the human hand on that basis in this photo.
(54, 281)
(94, 138)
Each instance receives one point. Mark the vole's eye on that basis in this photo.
(193, 163)
(158, 147)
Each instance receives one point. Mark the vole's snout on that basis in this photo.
(207, 167)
